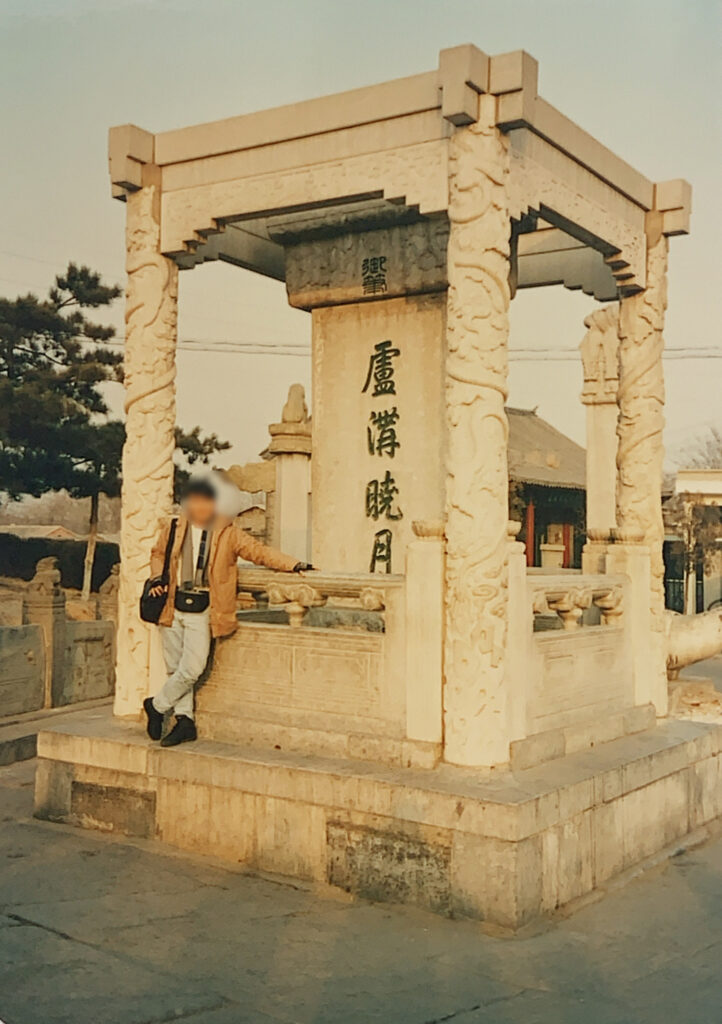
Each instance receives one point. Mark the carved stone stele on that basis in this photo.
(150, 343)
(640, 453)
(477, 481)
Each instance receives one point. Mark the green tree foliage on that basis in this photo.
(193, 448)
(698, 525)
(52, 363)
(55, 429)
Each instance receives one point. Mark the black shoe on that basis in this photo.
(183, 731)
(155, 719)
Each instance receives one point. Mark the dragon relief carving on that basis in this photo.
(640, 453)
(477, 480)
(150, 369)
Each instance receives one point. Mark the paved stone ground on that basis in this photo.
(96, 929)
(710, 669)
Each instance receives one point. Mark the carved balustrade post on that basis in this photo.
(297, 598)
(290, 449)
(640, 453)
(570, 606)
(425, 631)
(44, 605)
(611, 605)
(150, 346)
(475, 701)
(600, 360)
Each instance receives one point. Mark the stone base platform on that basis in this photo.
(19, 733)
(502, 846)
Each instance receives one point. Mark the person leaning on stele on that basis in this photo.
(193, 589)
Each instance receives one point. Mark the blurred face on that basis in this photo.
(200, 509)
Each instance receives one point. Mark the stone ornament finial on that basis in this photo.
(295, 410)
(293, 434)
(600, 356)
(109, 587)
(47, 577)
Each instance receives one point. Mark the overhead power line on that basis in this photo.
(290, 348)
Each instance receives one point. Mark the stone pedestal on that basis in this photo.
(506, 849)
(552, 556)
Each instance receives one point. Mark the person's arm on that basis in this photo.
(251, 550)
(157, 554)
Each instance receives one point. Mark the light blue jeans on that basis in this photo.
(186, 644)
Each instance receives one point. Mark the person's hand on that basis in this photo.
(304, 567)
(157, 591)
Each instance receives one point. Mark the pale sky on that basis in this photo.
(643, 76)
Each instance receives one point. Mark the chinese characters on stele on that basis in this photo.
(382, 492)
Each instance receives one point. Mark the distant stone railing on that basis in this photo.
(48, 659)
(296, 595)
(570, 596)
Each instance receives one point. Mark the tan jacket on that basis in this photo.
(228, 544)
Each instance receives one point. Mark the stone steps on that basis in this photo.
(266, 733)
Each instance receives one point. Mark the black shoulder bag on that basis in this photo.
(151, 605)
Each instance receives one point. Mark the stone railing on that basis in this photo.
(335, 664)
(319, 665)
(569, 597)
(296, 595)
(570, 647)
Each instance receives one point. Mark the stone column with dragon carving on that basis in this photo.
(475, 697)
(150, 351)
(640, 453)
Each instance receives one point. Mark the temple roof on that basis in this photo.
(541, 454)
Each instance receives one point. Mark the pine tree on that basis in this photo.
(55, 428)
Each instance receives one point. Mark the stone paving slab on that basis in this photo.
(97, 929)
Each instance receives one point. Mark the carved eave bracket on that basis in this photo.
(673, 201)
(130, 151)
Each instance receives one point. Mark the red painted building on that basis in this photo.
(547, 472)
